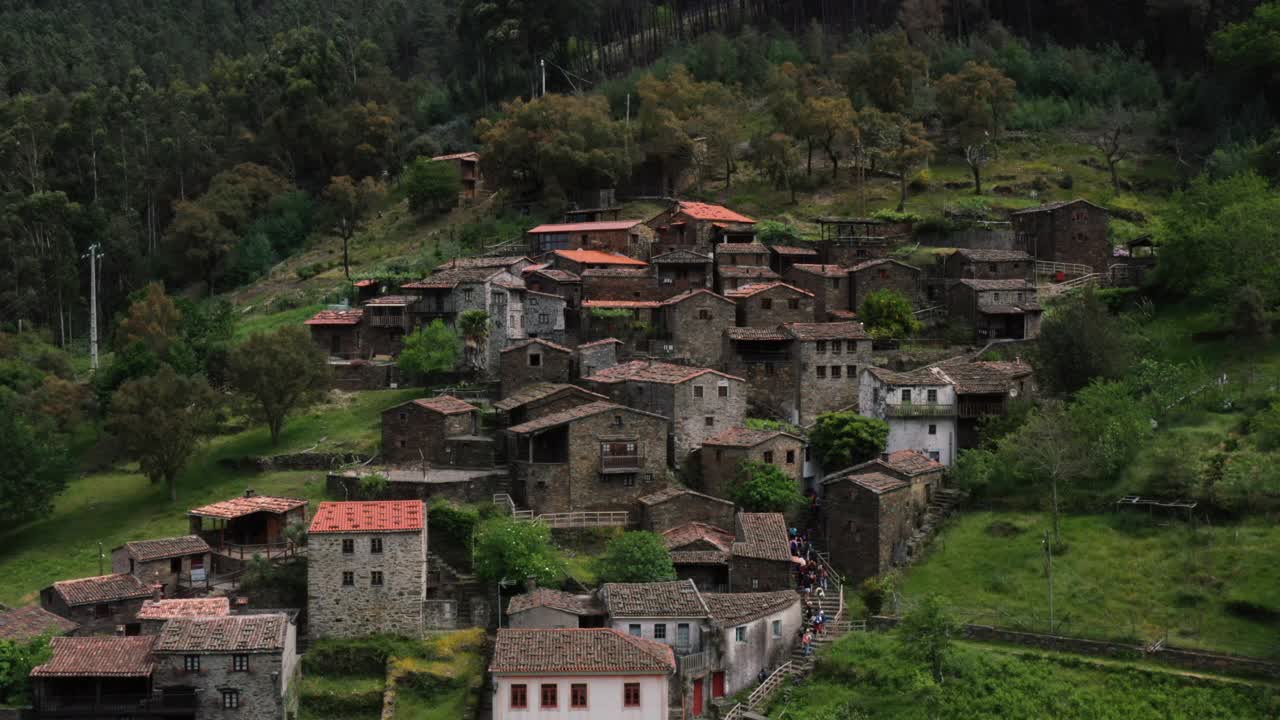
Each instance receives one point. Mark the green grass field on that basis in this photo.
(114, 507)
(865, 675)
(1123, 576)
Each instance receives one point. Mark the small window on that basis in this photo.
(835, 372)
(348, 578)
(519, 696)
(995, 297)
(709, 421)
(719, 455)
(191, 663)
(617, 421)
(723, 390)
(660, 631)
(755, 583)
(629, 480)
(175, 565)
(544, 319)
(375, 545)
(740, 633)
(835, 348)
(821, 370)
(777, 629)
(931, 396)
(535, 360)
(101, 610)
(348, 546)
(935, 456)
(634, 629)
(793, 303)
(822, 346)
(240, 663)
(404, 416)
(851, 371)
(933, 429)
(375, 578)
(835, 283)
(768, 456)
(697, 391)
(884, 274)
(578, 695)
(400, 442)
(467, 294)
(230, 699)
(704, 314)
(549, 695)
(906, 396)
(631, 695)
(851, 346)
(791, 457)
(766, 304)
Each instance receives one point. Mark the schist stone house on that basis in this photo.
(547, 608)
(981, 264)
(541, 399)
(338, 332)
(758, 631)
(919, 406)
(701, 553)
(623, 283)
(769, 305)
(729, 254)
(870, 511)
(698, 226)
(241, 527)
(732, 277)
(782, 257)
(849, 241)
(755, 557)
(598, 456)
(495, 290)
(723, 455)
(103, 605)
(367, 568)
(629, 237)
(829, 285)
(700, 402)
(573, 673)
(437, 431)
(26, 623)
(562, 283)
(588, 358)
(681, 270)
(996, 308)
(690, 324)
(871, 276)
(468, 164)
(169, 562)
(985, 389)
(1073, 232)
(676, 506)
(155, 613)
(534, 361)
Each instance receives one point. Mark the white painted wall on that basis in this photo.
(604, 698)
(913, 434)
(647, 625)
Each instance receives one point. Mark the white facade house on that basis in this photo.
(671, 613)
(579, 674)
(919, 406)
(757, 632)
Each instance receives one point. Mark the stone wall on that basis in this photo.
(471, 490)
(695, 327)
(293, 461)
(120, 612)
(757, 575)
(774, 307)
(264, 688)
(686, 508)
(958, 267)
(364, 375)
(518, 368)
(544, 317)
(590, 489)
(886, 276)
(830, 293)
(697, 418)
(591, 360)
(720, 463)
(470, 451)
(157, 571)
(1070, 234)
(440, 614)
(770, 387)
(337, 610)
(837, 388)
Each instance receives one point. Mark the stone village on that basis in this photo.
(626, 369)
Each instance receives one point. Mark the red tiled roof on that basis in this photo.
(707, 211)
(762, 536)
(828, 331)
(459, 156)
(99, 657)
(575, 413)
(597, 257)
(536, 341)
(145, 550)
(823, 270)
(632, 304)
(446, 405)
(605, 341)
(241, 506)
(392, 301)
(337, 317)
(747, 271)
(912, 462)
(560, 276)
(236, 633)
(755, 333)
(602, 226)
(555, 599)
(689, 294)
(32, 621)
(792, 250)
(185, 608)
(533, 268)
(678, 598)
(752, 248)
(657, 372)
(742, 437)
(368, 516)
(728, 609)
(367, 282)
(673, 492)
(530, 393)
(101, 589)
(567, 651)
(679, 537)
(756, 289)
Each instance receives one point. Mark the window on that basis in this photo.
(851, 371)
(755, 583)
(519, 696)
(348, 546)
(101, 610)
(991, 267)
(543, 318)
(934, 456)
(709, 421)
(348, 578)
(835, 372)
(175, 565)
(995, 297)
(467, 294)
(191, 663)
(766, 304)
(375, 578)
(634, 629)
(777, 629)
(549, 695)
(578, 695)
(931, 396)
(660, 631)
(835, 283)
(768, 456)
(794, 303)
(723, 391)
(835, 348)
(719, 455)
(230, 699)
(884, 274)
(631, 695)
(682, 634)
(851, 346)
(404, 416)
(535, 359)
(822, 346)
(906, 396)
(375, 545)
(933, 429)
(740, 633)
(704, 314)
(697, 391)
(791, 457)
(821, 370)
(239, 663)
(617, 421)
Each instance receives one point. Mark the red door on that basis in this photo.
(697, 698)
(717, 685)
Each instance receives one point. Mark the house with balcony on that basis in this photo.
(597, 456)
(104, 677)
(388, 319)
(850, 240)
(629, 237)
(996, 308)
(468, 164)
(919, 406)
(252, 524)
(174, 563)
(699, 226)
(681, 270)
(986, 389)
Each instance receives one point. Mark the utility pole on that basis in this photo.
(626, 134)
(93, 305)
(1048, 566)
(542, 64)
(100, 571)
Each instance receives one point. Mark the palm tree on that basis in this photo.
(474, 327)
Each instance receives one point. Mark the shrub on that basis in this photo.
(893, 216)
(17, 658)
(515, 550)
(361, 656)
(374, 486)
(763, 487)
(636, 557)
(454, 521)
(844, 439)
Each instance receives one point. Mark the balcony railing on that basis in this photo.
(908, 410)
(695, 662)
(978, 408)
(621, 463)
(118, 705)
(432, 307)
(388, 320)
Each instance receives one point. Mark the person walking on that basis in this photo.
(807, 643)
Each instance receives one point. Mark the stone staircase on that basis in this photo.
(454, 585)
(941, 505)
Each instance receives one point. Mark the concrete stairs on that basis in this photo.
(941, 505)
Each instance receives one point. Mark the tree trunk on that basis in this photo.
(808, 172)
(977, 179)
(275, 425)
(1115, 176)
(728, 173)
(835, 165)
(1057, 527)
(902, 192)
(346, 258)
(171, 478)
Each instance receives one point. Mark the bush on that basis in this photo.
(636, 557)
(454, 521)
(515, 550)
(893, 216)
(762, 487)
(844, 439)
(373, 487)
(17, 658)
(362, 656)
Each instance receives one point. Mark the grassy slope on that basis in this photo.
(1122, 577)
(114, 507)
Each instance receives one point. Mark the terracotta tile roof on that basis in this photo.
(919, 376)
(742, 437)
(32, 621)
(881, 261)
(1057, 206)
(741, 249)
(671, 493)
(556, 600)
(1001, 310)
(586, 227)
(235, 633)
(605, 341)
(655, 372)
(597, 257)
(707, 211)
(185, 608)
(459, 156)
(756, 289)
(983, 377)
(569, 651)
(792, 250)
(536, 341)
(699, 557)
(618, 272)
(392, 301)
(549, 296)
(680, 537)
(508, 281)
(240, 506)
(577, 413)
(878, 482)
(367, 282)
(145, 550)
(689, 294)
(821, 270)
(912, 462)
(755, 333)
(680, 257)
(985, 255)
(539, 391)
(101, 589)
(762, 536)
(337, 317)
(560, 276)
(533, 268)
(675, 599)
(368, 516)
(730, 609)
(748, 271)
(827, 331)
(99, 657)
(1018, 284)
(641, 304)
(842, 315)
(446, 279)
(446, 405)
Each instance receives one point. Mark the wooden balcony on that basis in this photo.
(693, 663)
(167, 705)
(920, 410)
(979, 408)
(621, 463)
(392, 321)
